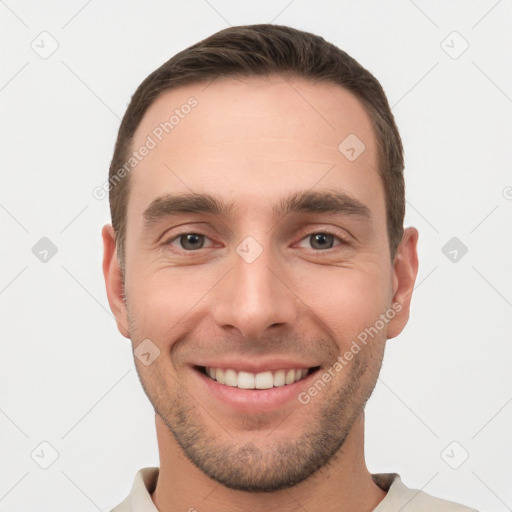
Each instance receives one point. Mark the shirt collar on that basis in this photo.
(139, 499)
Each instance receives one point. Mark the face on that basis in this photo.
(281, 266)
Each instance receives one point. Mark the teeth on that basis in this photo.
(230, 378)
(263, 380)
(246, 380)
(279, 377)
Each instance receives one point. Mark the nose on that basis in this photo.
(254, 297)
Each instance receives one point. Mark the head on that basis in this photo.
(260, 228)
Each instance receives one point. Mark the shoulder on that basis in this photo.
(400, 497)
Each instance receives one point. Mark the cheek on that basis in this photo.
(346, 300)
(163, 301)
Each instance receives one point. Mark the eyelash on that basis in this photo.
(341, 239)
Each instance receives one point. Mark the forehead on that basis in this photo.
(255, 137)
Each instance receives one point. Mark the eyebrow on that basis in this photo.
(315, 202)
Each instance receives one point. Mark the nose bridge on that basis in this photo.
(252, 297)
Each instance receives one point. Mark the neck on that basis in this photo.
(344, 485)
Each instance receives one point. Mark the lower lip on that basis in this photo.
(254, 400)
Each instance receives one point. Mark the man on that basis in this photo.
(257, 261)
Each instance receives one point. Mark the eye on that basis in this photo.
(191, 242)
(188, 241)
(324, 240)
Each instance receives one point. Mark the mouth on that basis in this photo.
(256, 381)
(252, 393)
(250, 386)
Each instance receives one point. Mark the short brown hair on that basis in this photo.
(265, 50)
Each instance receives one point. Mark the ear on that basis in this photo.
(114, 280)
(405, 270)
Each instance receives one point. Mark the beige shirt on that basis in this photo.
(398, 497)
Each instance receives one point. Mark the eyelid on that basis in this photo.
(189, 229)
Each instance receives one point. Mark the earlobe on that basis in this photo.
(114, 280)
(405, 270)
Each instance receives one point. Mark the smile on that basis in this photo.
(251, 387)
(263, 380)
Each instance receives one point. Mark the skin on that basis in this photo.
(255, 141)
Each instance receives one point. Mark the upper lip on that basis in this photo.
(255, 366)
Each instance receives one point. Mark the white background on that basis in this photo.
(67, 376)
